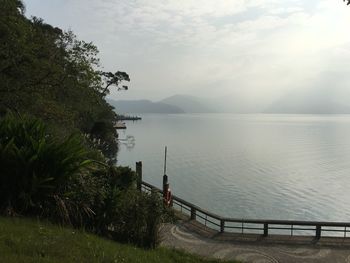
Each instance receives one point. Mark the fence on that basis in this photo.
(224, 224)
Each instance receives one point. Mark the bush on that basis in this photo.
(37, 169)
(137, 217)
(54, 178)
(128, 215)
(109, 181)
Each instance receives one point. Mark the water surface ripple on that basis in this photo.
(249, 166)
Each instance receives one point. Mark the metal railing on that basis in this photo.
(243, 226)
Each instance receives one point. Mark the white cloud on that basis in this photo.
(261, 48)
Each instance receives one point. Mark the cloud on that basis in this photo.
(257, 49)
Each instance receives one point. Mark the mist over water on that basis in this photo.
(264, 166)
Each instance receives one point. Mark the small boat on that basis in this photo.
(120, 125)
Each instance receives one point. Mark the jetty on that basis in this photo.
(120, 125)
(128, 118)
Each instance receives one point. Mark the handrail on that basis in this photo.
(222, 221)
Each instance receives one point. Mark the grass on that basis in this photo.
(26, 240)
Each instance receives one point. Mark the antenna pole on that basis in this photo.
(165, 153)
(165, 177)
(166, 189)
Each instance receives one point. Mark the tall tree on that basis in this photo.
(114, 79)
(51, 74)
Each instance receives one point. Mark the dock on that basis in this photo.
(128, 118)
(120, 125)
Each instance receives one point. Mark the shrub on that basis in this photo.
(37, 169)
(128, 215)
(137, 217)
(43, 176)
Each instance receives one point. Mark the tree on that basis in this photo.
(114, 79)
(50, 74)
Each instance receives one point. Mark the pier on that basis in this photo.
(128, 118)
(120, 125)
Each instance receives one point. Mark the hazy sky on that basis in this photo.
(255, 50)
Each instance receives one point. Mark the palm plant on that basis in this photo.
(36, 169)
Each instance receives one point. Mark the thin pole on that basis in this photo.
(165, 159)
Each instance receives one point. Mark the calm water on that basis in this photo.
(249, 166)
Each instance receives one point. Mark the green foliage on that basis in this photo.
(102, 134)
(135, 217)
(53, 81)
(109, 181)
(54, 178)
(115, 79)
(122, 177)
(126, 214)
(37, 170)
(50, 74)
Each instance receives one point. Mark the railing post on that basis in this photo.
(318, 232)
(139, 175)
(222, 226)
(345, 232)
(266, 229)
(193, 213)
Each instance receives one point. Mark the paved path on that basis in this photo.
(193, 237)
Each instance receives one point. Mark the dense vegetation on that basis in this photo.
(57, 136)
(69, 182)
(52, 75)
(30, 241)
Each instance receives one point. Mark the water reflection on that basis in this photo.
(128, 142)
(250, 166)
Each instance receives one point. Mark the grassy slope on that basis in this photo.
(24, 240)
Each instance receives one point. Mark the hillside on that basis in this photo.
(189, 104)
(143, 106)
(173, 104)
(24, 240)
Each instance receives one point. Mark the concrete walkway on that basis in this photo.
(195, 238)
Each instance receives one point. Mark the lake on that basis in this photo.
(265, 166)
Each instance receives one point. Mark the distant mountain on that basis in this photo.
(143, 106)
(189, 104)
(329, 100)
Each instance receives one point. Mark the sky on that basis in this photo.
(255, 51)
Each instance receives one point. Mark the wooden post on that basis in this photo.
(318, 232)
(139, 175)
(222, 226)
(266, 229)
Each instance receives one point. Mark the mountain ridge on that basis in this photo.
(299, 101)
(190, 104)
(143, 106)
